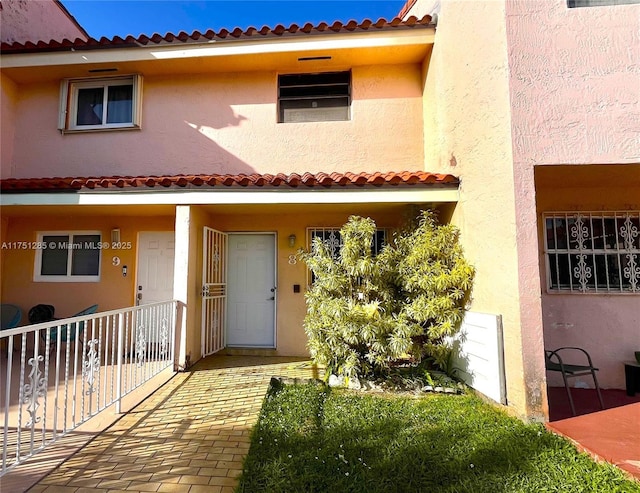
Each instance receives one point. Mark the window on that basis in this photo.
(593, 252)
(100, 104)
(314, 97)
(68, 256)
(598, 3)
(331, 236)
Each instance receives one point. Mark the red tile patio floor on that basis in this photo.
(612, 434)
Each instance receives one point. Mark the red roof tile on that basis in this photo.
(253, 181)
(223, 34)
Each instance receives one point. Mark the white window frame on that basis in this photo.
(583, 276)
(41, 246)
(69, 88)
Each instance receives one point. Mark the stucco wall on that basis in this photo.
(113, 291)
(607, 326)
(571, 76)
(575, 98)
(467, 132)
(30, 20)
(8, 98)
(575, 82)
(227, 123)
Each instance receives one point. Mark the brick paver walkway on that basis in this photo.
(189, 436)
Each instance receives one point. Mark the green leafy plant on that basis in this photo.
(366, 311)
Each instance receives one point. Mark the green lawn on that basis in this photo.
(312, 439)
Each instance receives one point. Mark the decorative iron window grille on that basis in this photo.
(596, 252)
(332, 238)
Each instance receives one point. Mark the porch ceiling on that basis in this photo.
(587, 175)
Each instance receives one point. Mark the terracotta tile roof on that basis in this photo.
(223, 34)
(242, 181)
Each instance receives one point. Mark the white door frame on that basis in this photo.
(274, 234)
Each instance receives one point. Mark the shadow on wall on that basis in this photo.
(222, 119)
(190, 120)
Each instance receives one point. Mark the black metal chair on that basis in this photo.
(41, 313)
(554, 362)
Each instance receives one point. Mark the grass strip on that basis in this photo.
(310, 438)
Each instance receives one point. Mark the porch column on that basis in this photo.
(529, 287)
(181, 281)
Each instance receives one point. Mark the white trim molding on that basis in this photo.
(440, 194)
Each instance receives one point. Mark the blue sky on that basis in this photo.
(122, 17)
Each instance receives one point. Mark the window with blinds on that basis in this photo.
(314, 97)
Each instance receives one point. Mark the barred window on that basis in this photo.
(595, 252)
(331, 236)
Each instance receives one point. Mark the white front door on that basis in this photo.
(251, 290)
(155, 267)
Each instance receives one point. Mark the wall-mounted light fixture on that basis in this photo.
(115, 235)
(292, 240)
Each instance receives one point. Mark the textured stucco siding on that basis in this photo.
(227, 123)
(467, 132)
(575, 99)
(8, 98)
(575, 82)
(36, 20)
(572, 81)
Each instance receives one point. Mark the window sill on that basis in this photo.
(317, 121)
(592, 292)
(92, 130)
(78, 279)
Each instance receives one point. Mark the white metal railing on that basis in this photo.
(59, 374)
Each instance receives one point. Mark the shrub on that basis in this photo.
(366, 311)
